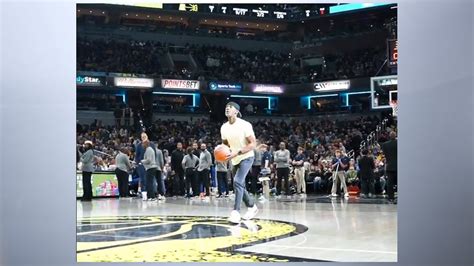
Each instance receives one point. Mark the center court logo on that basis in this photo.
(177, 239)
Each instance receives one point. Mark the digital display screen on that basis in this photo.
(393, 53)
(103, 184)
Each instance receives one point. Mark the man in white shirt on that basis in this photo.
(238, 134)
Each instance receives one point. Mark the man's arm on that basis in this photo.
(276, 159)
(162, 161)
(342, 164)
(209, 159)
(251, 142)
(225, 142)
(262, 147)
(303, 159)
(197, 161)
(127, 162)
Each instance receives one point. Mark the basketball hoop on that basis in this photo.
(394, 105)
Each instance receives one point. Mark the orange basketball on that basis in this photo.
(221, 152)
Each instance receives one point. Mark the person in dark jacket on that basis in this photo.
(366, 173)
(389, 149)
(177, 170)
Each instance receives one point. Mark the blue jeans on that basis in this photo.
(222, 182)
(213, 177)
(159, 184)
(240, 171)
(141, 173)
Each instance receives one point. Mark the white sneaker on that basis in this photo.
(251, 212)
(333, 195)
(234, 217)
(346, 195)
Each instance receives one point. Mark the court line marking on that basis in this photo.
(331, 249)
(122, 228)
(183, 228)
(147, 225)
(102, 224)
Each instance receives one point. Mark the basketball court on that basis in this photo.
(316, 228)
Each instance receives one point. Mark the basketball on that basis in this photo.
(221, 152)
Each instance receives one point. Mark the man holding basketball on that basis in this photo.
(239, 136)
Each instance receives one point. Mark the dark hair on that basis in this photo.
(365, 152)
(87, 146)
(189, 150)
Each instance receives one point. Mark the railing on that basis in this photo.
(372, 138)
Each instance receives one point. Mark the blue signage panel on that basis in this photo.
(225, 86)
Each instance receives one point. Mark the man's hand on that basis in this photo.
(262, 147)
(233, 154)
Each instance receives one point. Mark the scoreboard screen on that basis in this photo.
(392, 53)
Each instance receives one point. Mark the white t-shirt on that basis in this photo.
(236, 135)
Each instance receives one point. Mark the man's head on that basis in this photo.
(393, 135)
(189, 150)
(179, 146)
(282, 145)
(232, 109)
(338, 153)
(195, 146)
(124, 150)
(203, 146)
(144, 136)
(88, 144)
(300, 150)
